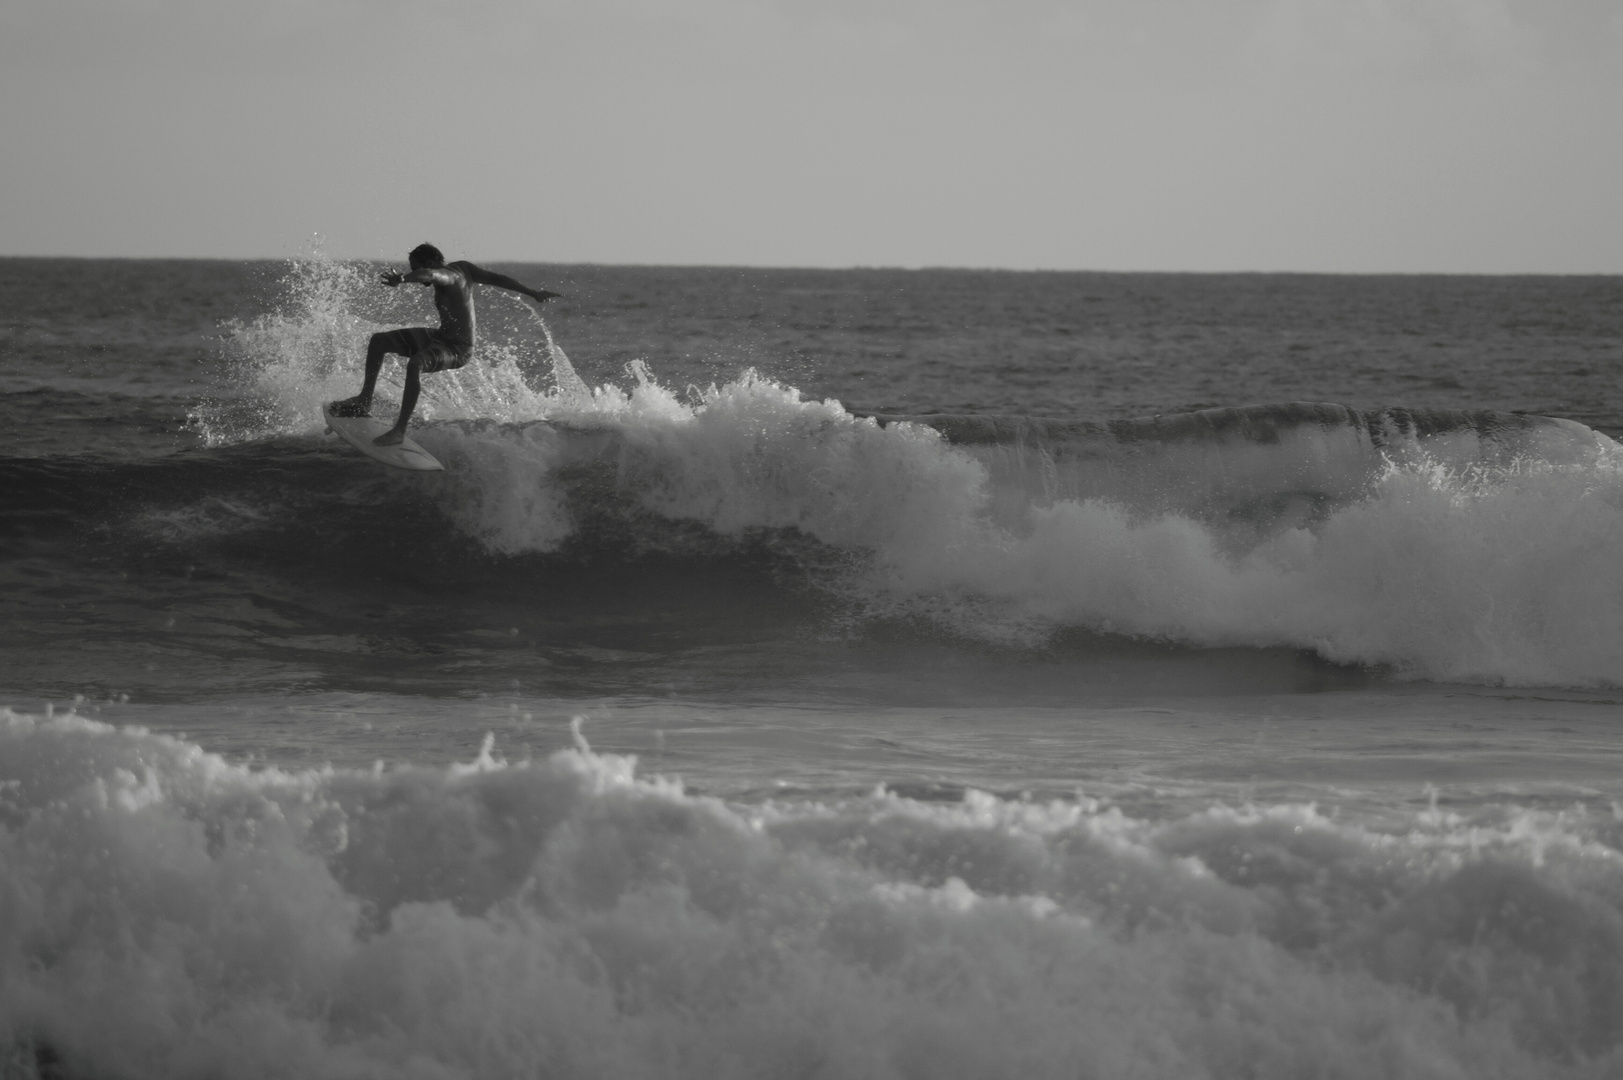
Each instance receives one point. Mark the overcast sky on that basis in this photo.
(1324, 135)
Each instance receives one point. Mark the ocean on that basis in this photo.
(868, 673)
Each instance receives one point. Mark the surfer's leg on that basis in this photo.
(402, 342)
(361, 404)
(434, 355)
(408, 402)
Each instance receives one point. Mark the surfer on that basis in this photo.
(428, 350)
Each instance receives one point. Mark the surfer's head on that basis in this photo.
(426, 257)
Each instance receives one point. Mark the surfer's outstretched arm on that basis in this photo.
(423, 275)
(502, 281)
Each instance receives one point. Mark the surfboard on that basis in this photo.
(359, 431)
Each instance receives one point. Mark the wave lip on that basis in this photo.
(1254, 459)
(1250, 423)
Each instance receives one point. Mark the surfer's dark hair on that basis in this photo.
(427, 255)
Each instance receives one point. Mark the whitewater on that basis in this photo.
(828, 681)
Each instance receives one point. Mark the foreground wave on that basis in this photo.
(166, 913)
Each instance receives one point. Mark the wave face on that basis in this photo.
(166, 913)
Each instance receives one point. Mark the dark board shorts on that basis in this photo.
(438, 354)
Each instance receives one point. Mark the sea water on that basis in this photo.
(867, 673)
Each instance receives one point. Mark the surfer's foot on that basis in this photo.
(355, 406)
(392, 437)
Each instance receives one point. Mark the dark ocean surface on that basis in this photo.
(864, 673)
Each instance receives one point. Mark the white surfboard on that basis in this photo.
(359, 431)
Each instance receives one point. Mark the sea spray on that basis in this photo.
(571, 388)
(277, 371)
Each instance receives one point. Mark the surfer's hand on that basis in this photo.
(392, 278)
(543, 296)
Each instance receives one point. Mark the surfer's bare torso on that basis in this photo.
(453, 297)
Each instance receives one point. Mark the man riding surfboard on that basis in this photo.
(428, 350)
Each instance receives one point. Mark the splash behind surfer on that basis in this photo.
(443, 348)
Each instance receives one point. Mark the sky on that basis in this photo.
(1475, 136)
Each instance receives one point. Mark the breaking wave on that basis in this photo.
(1474, 547)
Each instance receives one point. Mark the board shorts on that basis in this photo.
(438, 352)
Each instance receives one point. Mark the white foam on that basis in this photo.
(167, 913)
(1511, 578)
(1505, 574)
